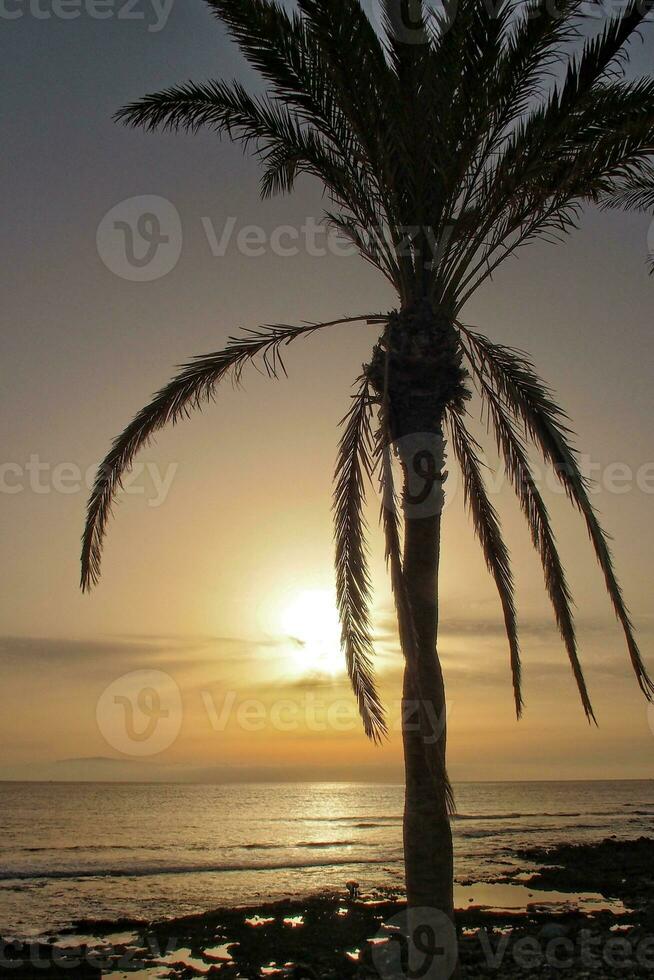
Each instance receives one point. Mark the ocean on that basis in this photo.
(102, 851)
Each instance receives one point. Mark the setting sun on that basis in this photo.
(311, 619)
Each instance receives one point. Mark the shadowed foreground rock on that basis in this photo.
(621, 869)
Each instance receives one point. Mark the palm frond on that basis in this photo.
(590, 131)
(227, 108)
(230, 109)
(353, 586)
(371, 243)
(390, 509)
(554, 162)
(488, 529)
(280, 48)
(194, 386)
(353, 65)
(327, 64)
(331, 23)
(634, 193)
(279, 138)
(463, 67)
(514, 378)
(603, 55)
(534, 45)
(589, 73)
(368, 93)
(518, 468)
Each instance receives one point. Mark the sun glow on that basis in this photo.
(311, 620)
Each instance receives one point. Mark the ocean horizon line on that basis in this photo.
(308, 782)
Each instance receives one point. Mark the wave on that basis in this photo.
(360, 821)
(145, 871)
(554, 815)
(86, 847)
(510, 816)
(93, 848)
(302, 843)
(482, 834)
(346, 820)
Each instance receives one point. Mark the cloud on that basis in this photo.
(126, 653)
(472, 624)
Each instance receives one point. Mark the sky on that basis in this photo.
(212, 630)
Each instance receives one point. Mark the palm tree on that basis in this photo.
(444, 143)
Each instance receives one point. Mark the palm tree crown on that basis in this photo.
(444, 142)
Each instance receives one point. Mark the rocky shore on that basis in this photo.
(334, 938)
(615, 868)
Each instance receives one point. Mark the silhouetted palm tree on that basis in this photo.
(444, 142)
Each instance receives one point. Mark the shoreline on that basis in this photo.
(331, 937)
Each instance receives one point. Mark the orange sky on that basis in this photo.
(198, 585)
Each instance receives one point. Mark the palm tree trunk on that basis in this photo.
(428, 852)
(416, 369)
(427, 833)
